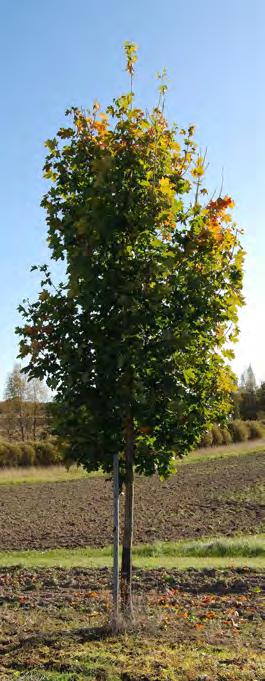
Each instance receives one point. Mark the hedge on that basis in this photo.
(236, 431)
(48, 453)
(217, 435)
(256, 429)
(239, 431)
(35, 453)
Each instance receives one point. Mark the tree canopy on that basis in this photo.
(143, 321)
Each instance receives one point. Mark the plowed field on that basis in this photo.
(203, 499)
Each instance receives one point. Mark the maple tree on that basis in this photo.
(135, 341)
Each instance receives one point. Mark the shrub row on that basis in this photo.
(47, 453)
(236, 431)
(35, 453)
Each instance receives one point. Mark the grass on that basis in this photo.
(33, 475)
(245, 546)
(219, 552)
(38, 474)
(254, 494)
(134, 659)
(225, 451)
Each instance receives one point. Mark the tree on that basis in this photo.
(248, 380)
(134, 340)
(248, 395)
(261, 400)
(37, 395)
(15, 394)
(16, 385)
(23, 409)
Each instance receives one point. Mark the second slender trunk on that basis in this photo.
(21, 422)
(34, 425)
(126, 564)
(115, 617)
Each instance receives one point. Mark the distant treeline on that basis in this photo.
(25, 420)
(29, 423)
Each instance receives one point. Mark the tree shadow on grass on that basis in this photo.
(78, 635)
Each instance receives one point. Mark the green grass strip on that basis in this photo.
(213, 552)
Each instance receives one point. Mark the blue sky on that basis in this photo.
(58, 53)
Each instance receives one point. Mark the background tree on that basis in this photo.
(134, 340)
(248, 379)
(24, 413)
(15, 395)
(260, 394)
(248, 395)
(37, 396)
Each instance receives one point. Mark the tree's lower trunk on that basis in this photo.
(126, 565)
(34, 425)
(21, 423)
(115, 615)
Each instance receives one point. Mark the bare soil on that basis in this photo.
(199, 501)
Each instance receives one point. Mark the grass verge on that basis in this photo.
(219, 552)
(33, 474)
(225, 451)
(134, 659)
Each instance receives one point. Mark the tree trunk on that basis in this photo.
(115, 615)
(34, 424)
(21, 422)
(126, 565)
